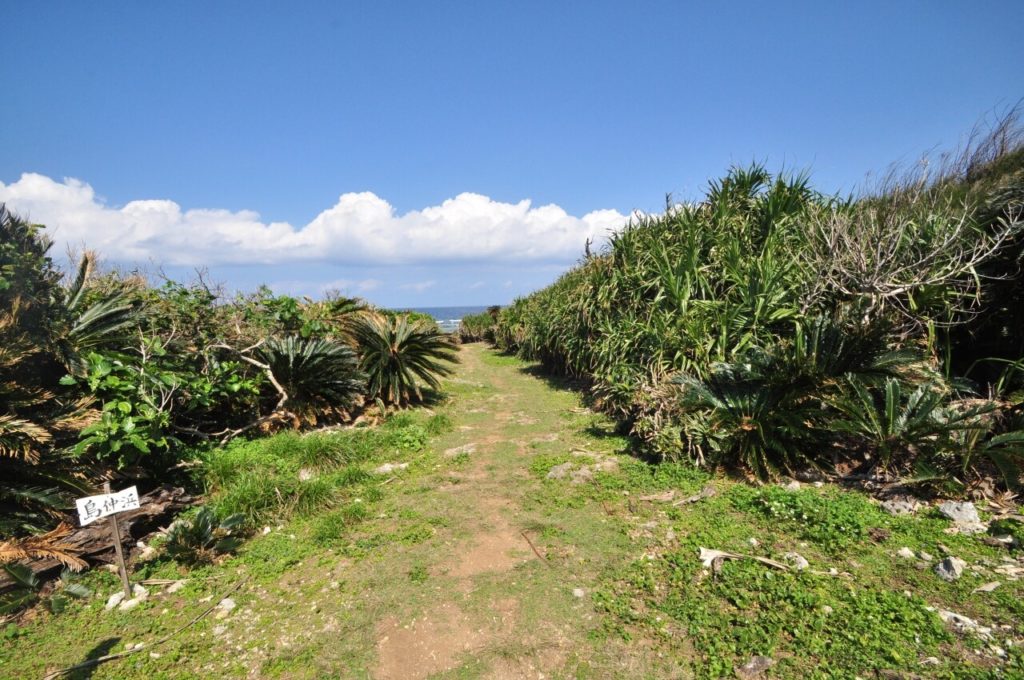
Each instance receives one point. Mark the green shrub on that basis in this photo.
(723, 330)
(318, 375)
(200, 538)
(477, 327)
(398, 354)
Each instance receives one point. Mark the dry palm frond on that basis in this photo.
(44, 546)
(21, 438)
(78, 416)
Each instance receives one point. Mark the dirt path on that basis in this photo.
(466, 563)
(500, 607)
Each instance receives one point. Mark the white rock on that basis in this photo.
(950, 569)
(266, 530)
(139, 592)
(224, 607)
(128, 605)
(148, 553)
(961, 513)
(965, 518)
(305, 474)
(927, 557)
(114, 600)
(753, 542)
(963, 624)
(560, 471)
(176, 586)
(578, 592)
(930, 661)
(797, 560)
(792, 486)
(755, 667)
(390, 467)
(905, 553)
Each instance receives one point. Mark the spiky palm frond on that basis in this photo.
(315, 373)
(22, 439)
(89, 319)
(201, 538)
(398, 354)
(45, 546)
(762, 419)
(894, 422)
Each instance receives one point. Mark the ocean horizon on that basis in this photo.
(448, 318)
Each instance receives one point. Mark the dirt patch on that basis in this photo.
(550, 437)
(497, 550)
(465, 448)
(497, 546)
(537, 664)
(429, 644)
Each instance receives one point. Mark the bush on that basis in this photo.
(477, 327)
(201, 538)
(695, 327)
(398, 354)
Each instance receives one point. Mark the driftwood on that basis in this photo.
(93, 542)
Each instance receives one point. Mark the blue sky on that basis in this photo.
(457, 152)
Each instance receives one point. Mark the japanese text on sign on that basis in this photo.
(93, 508)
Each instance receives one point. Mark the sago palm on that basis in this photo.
(399, 354)
(318, 375)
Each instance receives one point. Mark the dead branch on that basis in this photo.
(535, 551)
(278, 411)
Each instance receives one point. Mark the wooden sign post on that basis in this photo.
(109, 504)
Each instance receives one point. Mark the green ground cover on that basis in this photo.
(524, 540)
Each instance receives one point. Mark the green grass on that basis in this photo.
(349, 553)
(293, 474)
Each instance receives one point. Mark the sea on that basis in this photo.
(448, 317)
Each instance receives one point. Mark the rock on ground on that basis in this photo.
(960, 512)
(899, 506)
(797, 560)
(755, 667)
(963, 624)
(560, 471)
(224, 607)
(950, 569)
(964, 516)
(467, 449)
(387, 468)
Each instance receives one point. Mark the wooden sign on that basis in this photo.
(108, 504)
(92, 508)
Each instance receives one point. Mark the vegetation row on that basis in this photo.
(104, 377)
(771, 328)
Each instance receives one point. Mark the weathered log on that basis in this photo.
(94, 542)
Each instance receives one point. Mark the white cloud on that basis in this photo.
(319, 288)
(419, 286)
(476, 284)
(361, 228)
(348, 285)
